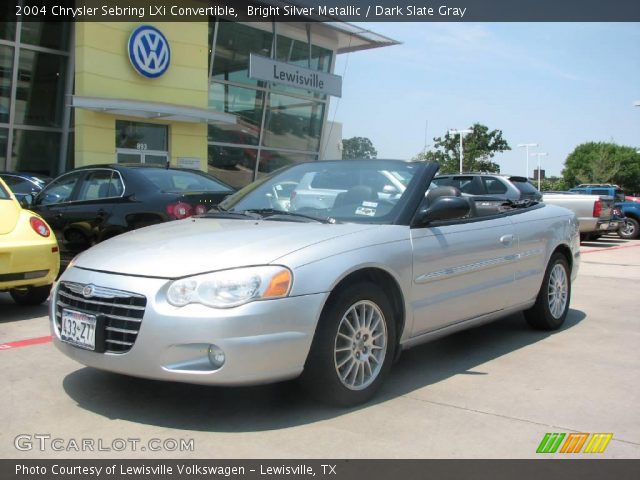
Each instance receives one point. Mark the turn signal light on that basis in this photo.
(39, 227)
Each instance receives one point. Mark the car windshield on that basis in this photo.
(169, 180)
(362, 191)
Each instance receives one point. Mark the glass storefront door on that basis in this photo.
(138, 142)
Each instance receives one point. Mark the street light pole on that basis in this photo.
(461, 133)
(526, 146)
(539, 154)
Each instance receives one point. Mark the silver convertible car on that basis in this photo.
(264, 288)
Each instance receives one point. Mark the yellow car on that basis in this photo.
(29, 255)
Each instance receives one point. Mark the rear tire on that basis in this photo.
(552, 305)
(30, 295)
(353, 347)
(630, 229)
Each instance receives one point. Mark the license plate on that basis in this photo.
(79, 329)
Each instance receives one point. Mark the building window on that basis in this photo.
(282, 122)
(54, 35)
(233, 45)
(233, 165)
(293, 123)
(7, 29)
(141, 136)
(36, 151)
(6, 70)
(246, 104)
(40, 89)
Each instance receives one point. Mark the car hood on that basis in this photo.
(197, 245)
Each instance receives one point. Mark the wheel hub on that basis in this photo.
(360, 345)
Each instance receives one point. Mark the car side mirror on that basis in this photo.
(26, 201)
(443, 208)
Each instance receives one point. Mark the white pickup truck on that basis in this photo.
(594, 212)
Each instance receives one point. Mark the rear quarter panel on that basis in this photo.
(540, 232)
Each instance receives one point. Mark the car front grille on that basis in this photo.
(121, 312)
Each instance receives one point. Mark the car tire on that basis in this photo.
(630, 230)
(552, 304)
(351, 356)
(30, 295)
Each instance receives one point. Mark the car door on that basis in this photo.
(89, 214)
(52, 202)
(461, 270)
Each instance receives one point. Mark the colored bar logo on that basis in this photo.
(574, 442)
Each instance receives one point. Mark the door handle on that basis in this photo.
(506, 240)
(101, 212)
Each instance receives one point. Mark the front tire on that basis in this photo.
(30, 295)
(630, 229)
(353, 347)
(552, 304)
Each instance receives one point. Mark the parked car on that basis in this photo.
(29, 257)
(596, 214)
(90, 204)
(506, 187)
(630, 208)
(249, 294)
(24, 184)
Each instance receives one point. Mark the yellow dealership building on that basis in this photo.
(236, 99)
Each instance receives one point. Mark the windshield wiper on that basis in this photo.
(267, 213)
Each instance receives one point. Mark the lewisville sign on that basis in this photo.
(262, 68)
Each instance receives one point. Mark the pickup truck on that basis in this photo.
(630, 209)
(595, 213)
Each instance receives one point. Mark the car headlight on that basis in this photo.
(230, 288)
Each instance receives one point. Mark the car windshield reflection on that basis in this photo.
(361, 191)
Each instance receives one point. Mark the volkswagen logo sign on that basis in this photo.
(88, 291)
(149, 51)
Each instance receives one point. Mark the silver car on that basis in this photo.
(252, 292)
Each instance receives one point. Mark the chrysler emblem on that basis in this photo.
(88, 291)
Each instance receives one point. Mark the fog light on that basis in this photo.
(216, 356)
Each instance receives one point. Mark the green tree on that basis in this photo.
(357, 148)
(478, 147)
(600, 162)
(552, 183)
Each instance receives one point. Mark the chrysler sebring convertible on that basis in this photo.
(330, 290)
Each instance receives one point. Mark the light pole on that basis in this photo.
(461, 133)
(539, 154)
(526, 146)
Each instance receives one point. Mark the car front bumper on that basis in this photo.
(262, 341)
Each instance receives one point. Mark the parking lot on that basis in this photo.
(491, 392)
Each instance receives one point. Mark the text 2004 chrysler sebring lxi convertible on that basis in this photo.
(324, 270)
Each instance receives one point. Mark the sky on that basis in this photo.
(554, 84)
